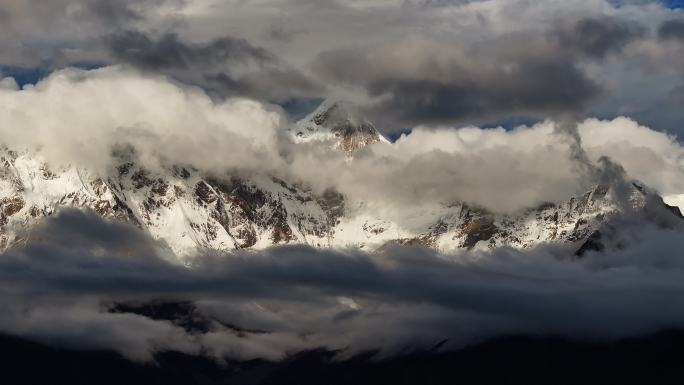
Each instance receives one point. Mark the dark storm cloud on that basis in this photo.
(168, 52)
(525, 73)
(282, 33)
(529, 81)
(672, 30)
(264, 85)
(104, 14)
(114, 12)
(58, 33)
(596, 37)
(530, 88)
(187, 41)
(55, 289)
(666, 112)
(225, 66)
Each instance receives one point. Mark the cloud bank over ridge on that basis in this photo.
(60, 290)
(96, 117)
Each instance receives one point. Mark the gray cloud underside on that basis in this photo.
(169, 52)
(672, 30)
(56, 288)
(419, 62)
(225, 66)
(530, 73)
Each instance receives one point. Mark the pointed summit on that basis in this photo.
(339, 122)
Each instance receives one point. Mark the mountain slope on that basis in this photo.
(188, 212)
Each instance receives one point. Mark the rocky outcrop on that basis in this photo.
(338, 123)
(189, 211)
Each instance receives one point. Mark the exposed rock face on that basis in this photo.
(177, 205)
(188, 211)
(339, 124)
(570, 222)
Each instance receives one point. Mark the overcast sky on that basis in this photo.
(214, 76)
(408, 62)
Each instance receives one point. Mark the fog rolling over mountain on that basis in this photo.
(188, 210)
(341, 191)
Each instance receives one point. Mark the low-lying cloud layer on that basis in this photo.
(93, 118)
(59, 287)
(84, 117)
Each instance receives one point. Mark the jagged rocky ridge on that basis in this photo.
(188, 211)
(338, 123)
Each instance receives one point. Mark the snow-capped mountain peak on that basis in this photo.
(337, 122)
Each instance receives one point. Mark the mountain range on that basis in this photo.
(189, 211)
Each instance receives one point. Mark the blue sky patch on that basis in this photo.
(23, 75)
(674, 4)
(32, 75)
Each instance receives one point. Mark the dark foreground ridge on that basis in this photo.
(652, 359)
